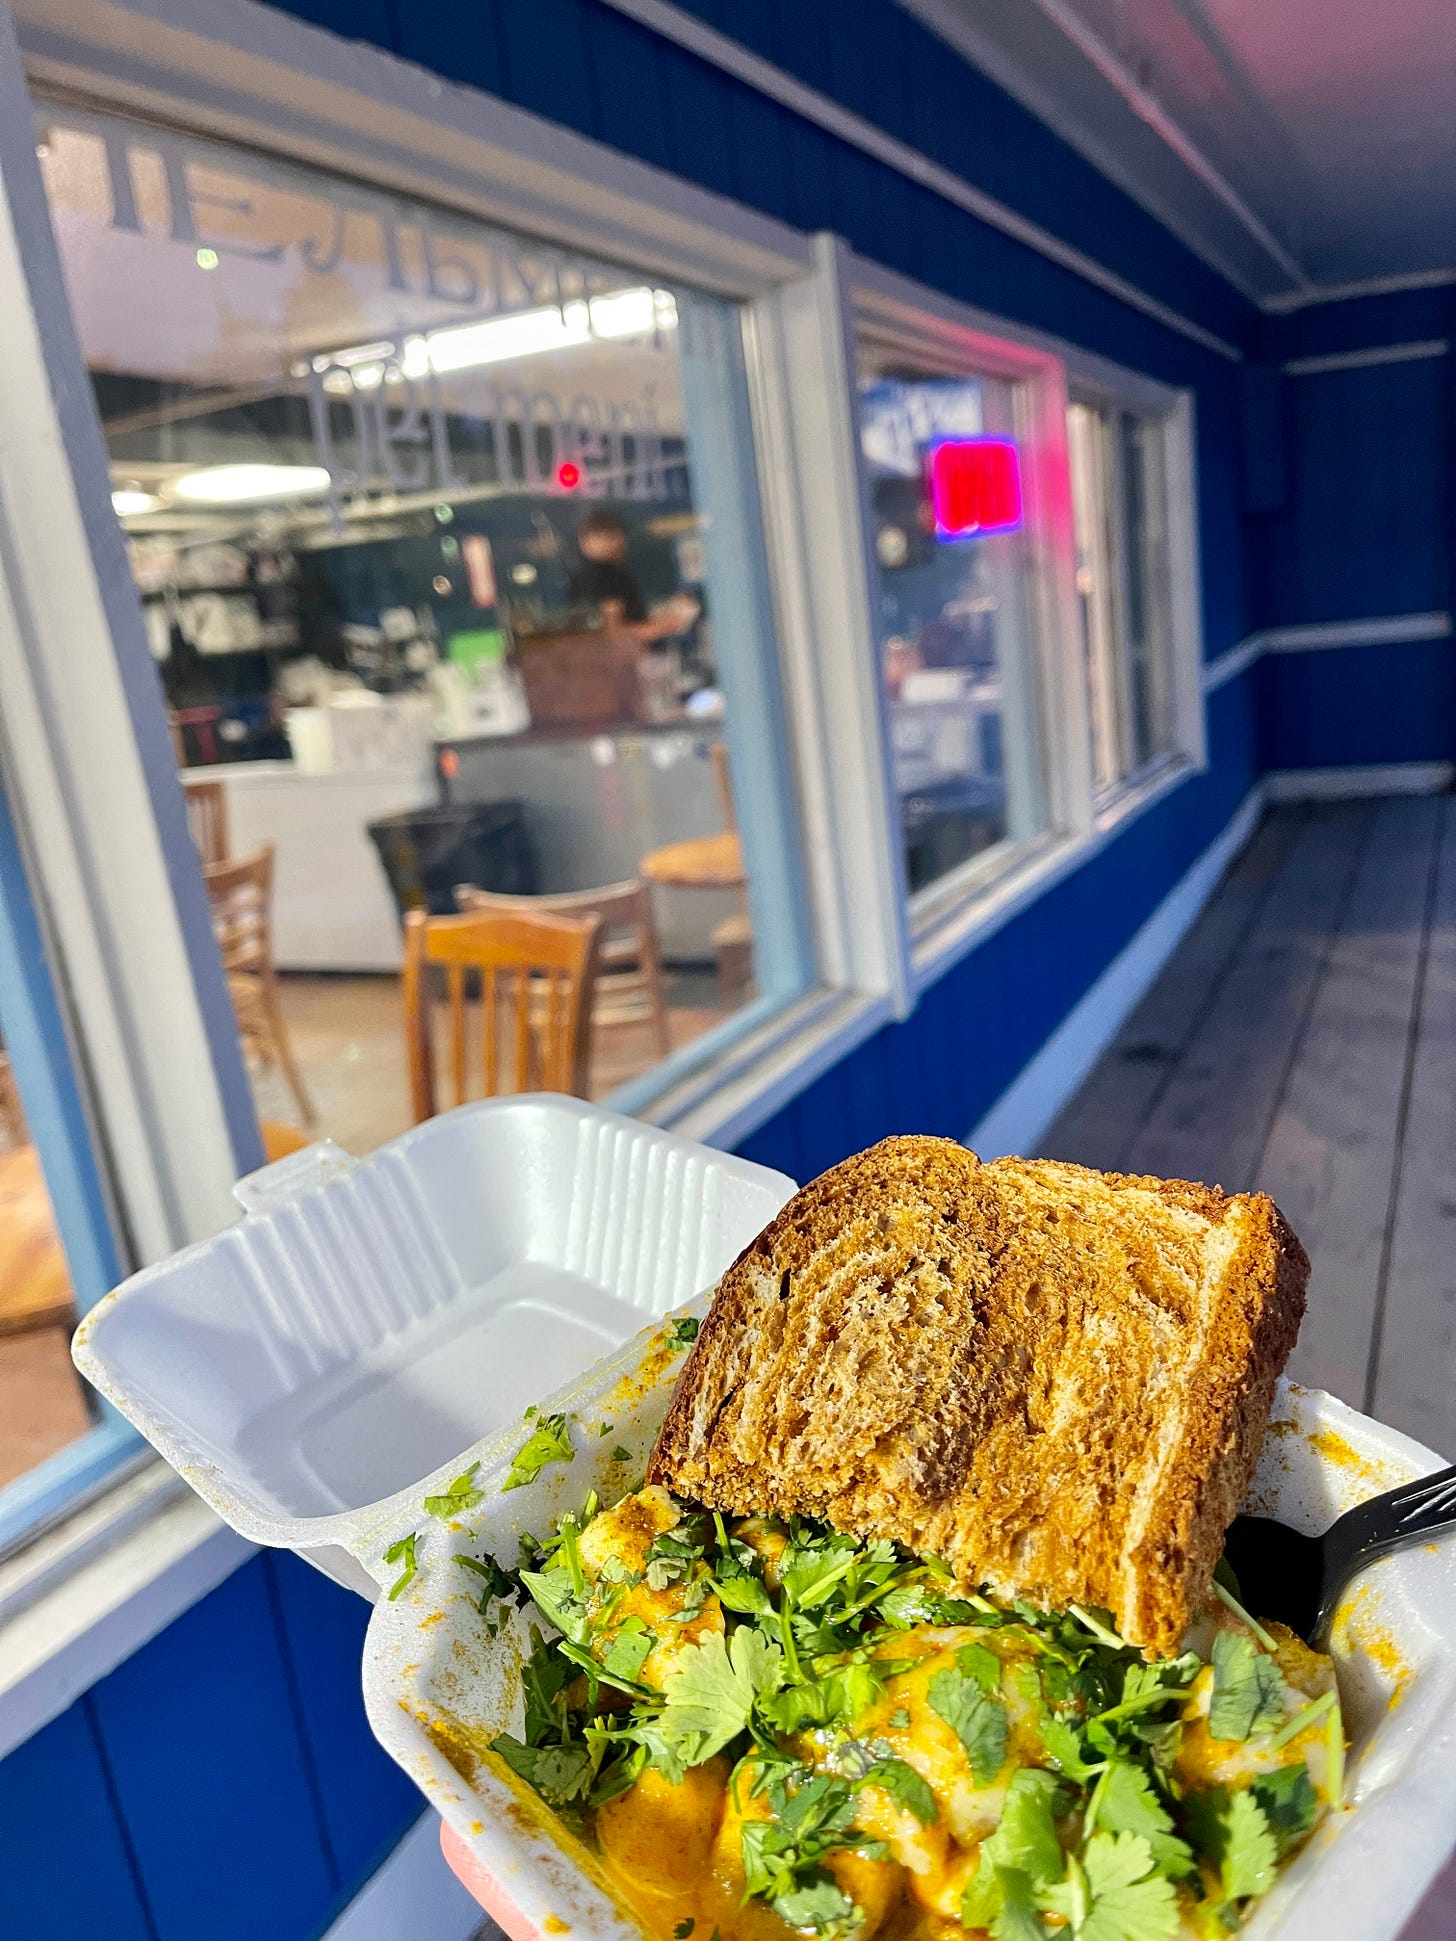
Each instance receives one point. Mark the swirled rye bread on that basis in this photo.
(1055, 1379)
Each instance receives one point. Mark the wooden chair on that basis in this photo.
(208, 817)
(12, 1112)
(535, 975)
(628, 989)
(242, 920)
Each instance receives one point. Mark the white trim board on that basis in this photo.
(118, 1593)
(413, 1896)
(730, 57)
(1370, 286)
(1360, 360)
(1397, 630)
(1019, 1119)
(1350, 784)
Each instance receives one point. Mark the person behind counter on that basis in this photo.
(604, 580)
(606, 584)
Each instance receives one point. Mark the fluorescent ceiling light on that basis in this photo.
(249, 484)
(128, 500)
(497, 340)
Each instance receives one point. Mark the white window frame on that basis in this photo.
(958, 914)
(1107, 387)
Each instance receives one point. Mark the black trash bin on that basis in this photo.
(426, 852)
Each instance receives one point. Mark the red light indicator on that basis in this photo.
(568, 476)
(975, 487)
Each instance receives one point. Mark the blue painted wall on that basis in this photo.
(223, 1780)
(220, 1785)
(1350, 516)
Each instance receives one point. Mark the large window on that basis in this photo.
(452, 583)
(1120, 503)
(954, 613)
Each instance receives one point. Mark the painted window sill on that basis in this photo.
(89, 1592)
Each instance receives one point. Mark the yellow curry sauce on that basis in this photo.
(674, 1844)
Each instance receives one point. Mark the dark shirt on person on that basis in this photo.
(599, 580)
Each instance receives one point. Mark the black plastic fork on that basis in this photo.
(1297, 1580)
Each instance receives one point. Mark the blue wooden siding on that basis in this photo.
(221, 1783)
(223, 1780)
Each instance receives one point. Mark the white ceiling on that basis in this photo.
(1296, 144)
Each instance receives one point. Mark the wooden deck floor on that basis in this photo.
(1302, 1040)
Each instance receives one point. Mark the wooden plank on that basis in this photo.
(1415, 1353)
(1213, 1116)
(368, 1803)
(1099, 1124)
(1331, 1154)
(200, 1735)
(68, 1876)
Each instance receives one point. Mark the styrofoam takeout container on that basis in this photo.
(437, 1686)
(370, 1318)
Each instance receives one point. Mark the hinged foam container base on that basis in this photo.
(438, 1688)
(370, 1318)
(373, 1327)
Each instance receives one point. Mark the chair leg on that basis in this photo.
(278, 1031)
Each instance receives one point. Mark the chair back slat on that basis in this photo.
(207, 817)
(629, 989)
(516, 960)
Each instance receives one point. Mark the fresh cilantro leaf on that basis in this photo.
(1250, 1852)
(558, 1773)
(782, 1857)
(1064, 1747)
(619, 1454)
(979, 1722)
(1116, 1894)
(1232, 1831)
(497, 1581)
(900, 1719)
(630, 1650)
(403, 1552)
(462, 1495)
(820, 1904)
(548, 1442)
(544, 1677)
(1248, 1692)
(1126, 1803)
(982, 1665)
(843, 1693)
(683, 1333)
(551, 1592)
(1025, 1838)
(712, 1689)
(684, 1929)
(604, 1429)
(905, 1786)
(1289, 1803)
(670, 1558)
(1010, 1905)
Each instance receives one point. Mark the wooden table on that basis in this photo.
(35, 1285)
(701, 863)
(710, 863)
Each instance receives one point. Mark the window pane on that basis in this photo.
(1120, 514)
(429, 523)
(952, 624)
(57, 1255)
(1145, 524)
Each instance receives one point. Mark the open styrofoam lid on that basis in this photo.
(369, 1319)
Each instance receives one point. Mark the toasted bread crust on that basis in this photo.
(1057, 1379)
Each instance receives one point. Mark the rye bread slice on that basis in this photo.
(1056, 1379)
